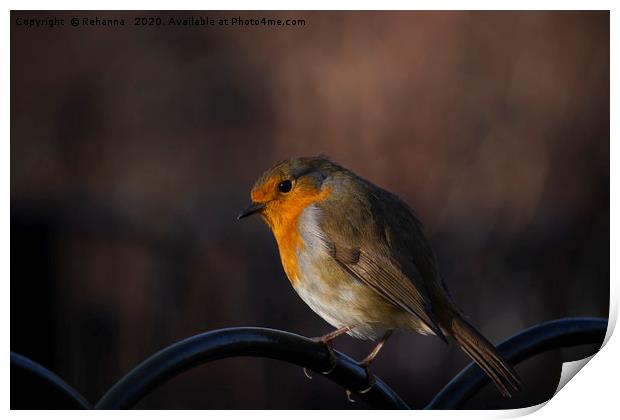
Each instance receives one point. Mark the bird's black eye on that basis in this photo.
(285, 186)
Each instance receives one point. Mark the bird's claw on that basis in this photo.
(332, 360)
(363, 391)
(350, 396)
(332, 357)
(371, 382)
(370, 376)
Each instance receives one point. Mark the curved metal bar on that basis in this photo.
(292, 348)
(566, 332)
(246, 341)
(72, 397)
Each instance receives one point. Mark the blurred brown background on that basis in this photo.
(133, 149)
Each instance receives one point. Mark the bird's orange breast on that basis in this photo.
(284, 223)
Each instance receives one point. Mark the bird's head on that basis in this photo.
(283, 191)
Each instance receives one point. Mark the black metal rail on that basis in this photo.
(233, 342)
(292, 348)
(64, 395)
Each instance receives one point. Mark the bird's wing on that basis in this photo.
(377, 239)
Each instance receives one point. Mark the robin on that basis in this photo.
(357, 256)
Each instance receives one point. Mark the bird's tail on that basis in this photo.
(485, 355)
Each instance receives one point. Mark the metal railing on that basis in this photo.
(301, 351)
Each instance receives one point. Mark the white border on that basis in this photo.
(593, 393)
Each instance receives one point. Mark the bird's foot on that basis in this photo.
(366, 365)
(327, 341)
(370, 380)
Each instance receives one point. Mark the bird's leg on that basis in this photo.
(329, 337)
(366, 364)
(327, 340)
(371, 357)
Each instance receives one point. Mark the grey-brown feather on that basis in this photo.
(370, 250)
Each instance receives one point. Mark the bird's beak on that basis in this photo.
(253, 208)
